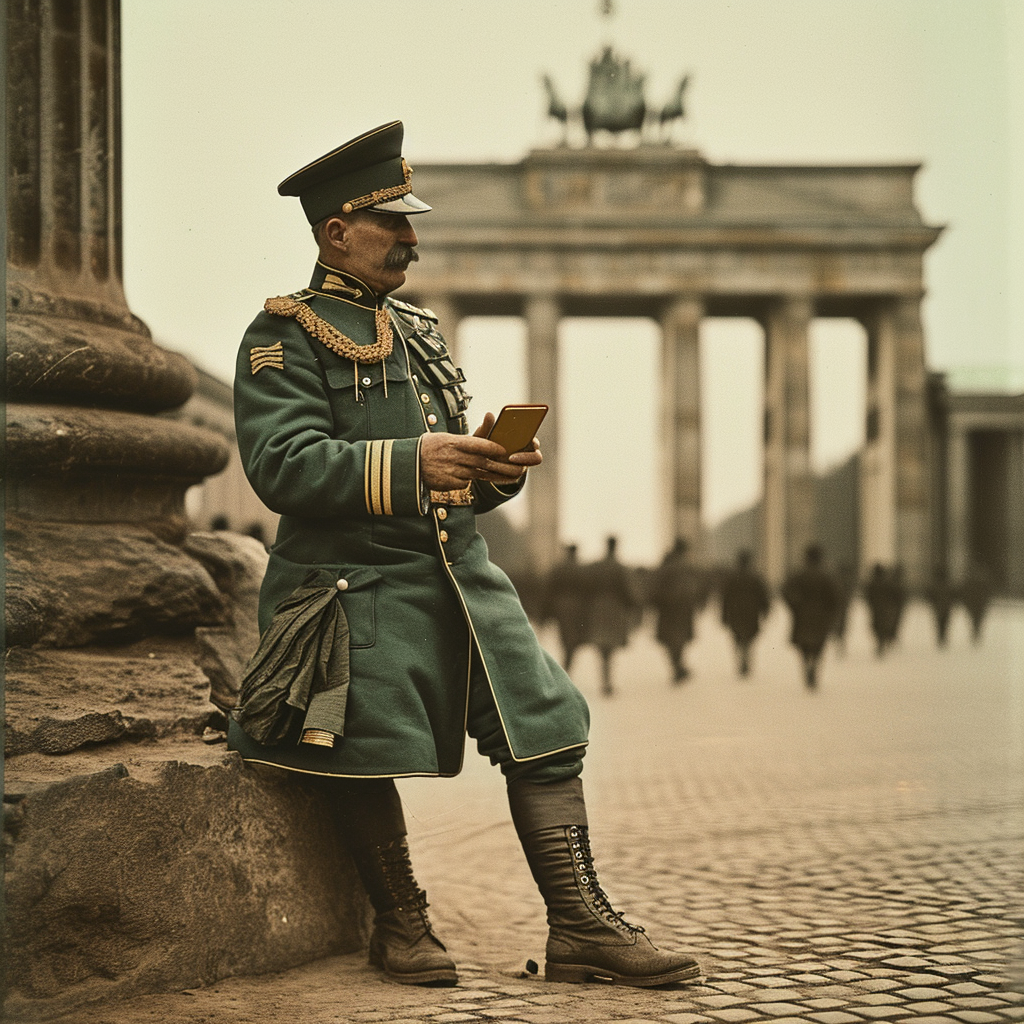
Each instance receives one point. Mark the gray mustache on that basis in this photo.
(400, 256)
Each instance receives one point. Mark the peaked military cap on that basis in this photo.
(367, 172)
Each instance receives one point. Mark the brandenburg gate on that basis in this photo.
(657, 231)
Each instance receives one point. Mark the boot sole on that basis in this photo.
(440, 976)
(581, 974)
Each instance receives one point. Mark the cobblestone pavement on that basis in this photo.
(838, 856)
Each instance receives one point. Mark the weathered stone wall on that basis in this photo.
(167, 876)
(140, 855)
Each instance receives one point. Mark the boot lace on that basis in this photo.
(396, 868)
(586, 876)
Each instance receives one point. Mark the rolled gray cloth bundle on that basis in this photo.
(301, 666)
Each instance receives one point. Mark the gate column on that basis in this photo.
(680, 409)
(958, 503)
(895, 522)
(787, 523)
(542, 313)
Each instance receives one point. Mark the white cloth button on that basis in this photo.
(343, 584)
(432, 419)
(367, 381)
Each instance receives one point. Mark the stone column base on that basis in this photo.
(163, 874)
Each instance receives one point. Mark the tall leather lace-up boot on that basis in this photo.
(588, 940)
(370, 819)
(403, 944)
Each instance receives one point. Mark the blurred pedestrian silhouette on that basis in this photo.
(613, 605)
(677, 592)
(813, 598)
(886, 598)
(976, 594)
(565, 602)
(846, 581)
(941, 596)
(745, 603)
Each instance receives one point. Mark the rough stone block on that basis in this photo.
(237, 564)
(164, 877)
(71, 584)
(57, 701)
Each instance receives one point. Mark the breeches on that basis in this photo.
(483, 724)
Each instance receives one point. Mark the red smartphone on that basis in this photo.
(516, 426)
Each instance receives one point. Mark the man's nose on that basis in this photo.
(406, 232)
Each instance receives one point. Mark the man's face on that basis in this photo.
(379, 248)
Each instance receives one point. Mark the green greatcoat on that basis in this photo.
(332, 444)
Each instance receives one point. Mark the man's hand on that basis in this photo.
(450, 461)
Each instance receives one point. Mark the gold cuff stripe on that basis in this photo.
(366, 477)
(373, 475)
(377, 478)
(385, 477)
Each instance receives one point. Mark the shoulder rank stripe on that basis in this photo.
(270, 355)
(377, 477)
(330, 335)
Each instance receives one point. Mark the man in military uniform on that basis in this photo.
(387, 632)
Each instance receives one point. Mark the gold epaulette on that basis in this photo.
(329, 335)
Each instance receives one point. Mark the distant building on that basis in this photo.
(978, 445)
(977, 448)
(977, 477)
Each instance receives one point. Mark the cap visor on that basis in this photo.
(403, 204)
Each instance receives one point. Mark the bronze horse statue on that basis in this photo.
(615, 100)
(615, 97)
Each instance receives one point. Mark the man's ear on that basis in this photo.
(335, 233)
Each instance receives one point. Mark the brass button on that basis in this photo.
(442, 513)
(415, 379)
(425, 398)
(444, 536)
(432, 419)
(343, 584)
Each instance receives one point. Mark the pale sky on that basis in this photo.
(224, 98)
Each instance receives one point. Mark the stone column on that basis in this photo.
(542, 314)
(449, 316)
(958, 502)
(787, 524)
(895, 517)
(1015, 507)
(680, 405)
(83, 374)
(119, 622)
